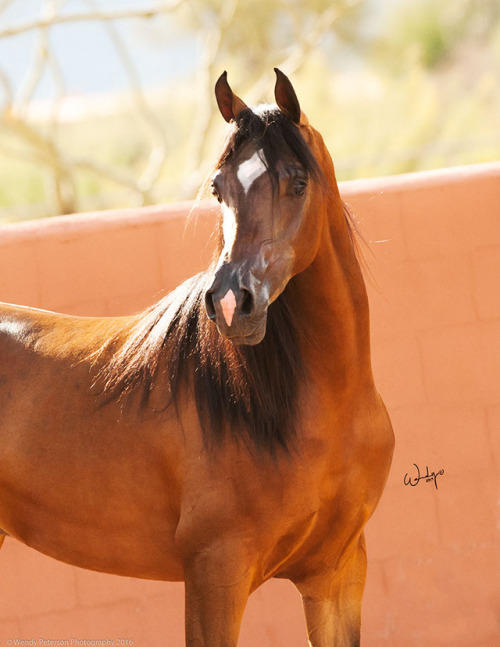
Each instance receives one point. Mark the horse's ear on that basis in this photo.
(285, 97)
(229, 104)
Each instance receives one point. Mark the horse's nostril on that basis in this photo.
(246, 308)
(210, 307)
(247, 303)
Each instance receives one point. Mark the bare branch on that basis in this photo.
(127, 180)
(158, 153)
(28, 155)
(8, 91)
(4, 4)
(205, 109)
(60, 87)
(31, 136)
(323, 24)
(307, 42)
(149, 12)
(40, 56)
(44, 153)
(59, 170)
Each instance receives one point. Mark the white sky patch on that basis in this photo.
(250, 170)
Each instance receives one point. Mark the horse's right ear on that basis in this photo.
(229, 104)
(285, 97)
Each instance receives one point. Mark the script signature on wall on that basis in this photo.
(428, 477)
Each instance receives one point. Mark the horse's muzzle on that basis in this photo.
(238, 311)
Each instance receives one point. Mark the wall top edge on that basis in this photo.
(111, 219)
(421, 179)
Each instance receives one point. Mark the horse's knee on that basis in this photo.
(332, 602)
(218, 581)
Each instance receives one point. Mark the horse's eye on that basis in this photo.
(299, 187)
(216, 193)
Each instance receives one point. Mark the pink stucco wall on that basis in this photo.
(434, 253)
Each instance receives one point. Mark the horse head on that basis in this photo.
(270, 183)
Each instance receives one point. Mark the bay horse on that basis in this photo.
(230, 433)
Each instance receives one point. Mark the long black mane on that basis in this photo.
(247, 392)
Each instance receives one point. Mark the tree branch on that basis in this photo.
(4, 4)
(150, 12)
(158, 152)
(8, 92)
(212, 40)
(307, 41)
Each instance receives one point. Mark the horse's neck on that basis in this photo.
(333, 306)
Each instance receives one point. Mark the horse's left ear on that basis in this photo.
(229, 104)
(285, 97)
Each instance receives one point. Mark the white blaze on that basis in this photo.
(250, 170)
(228, 227)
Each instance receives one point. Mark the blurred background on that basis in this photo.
(109, 104)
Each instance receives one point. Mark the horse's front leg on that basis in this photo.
(332, 603)
(218, 580)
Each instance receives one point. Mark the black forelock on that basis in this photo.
(276, 135)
